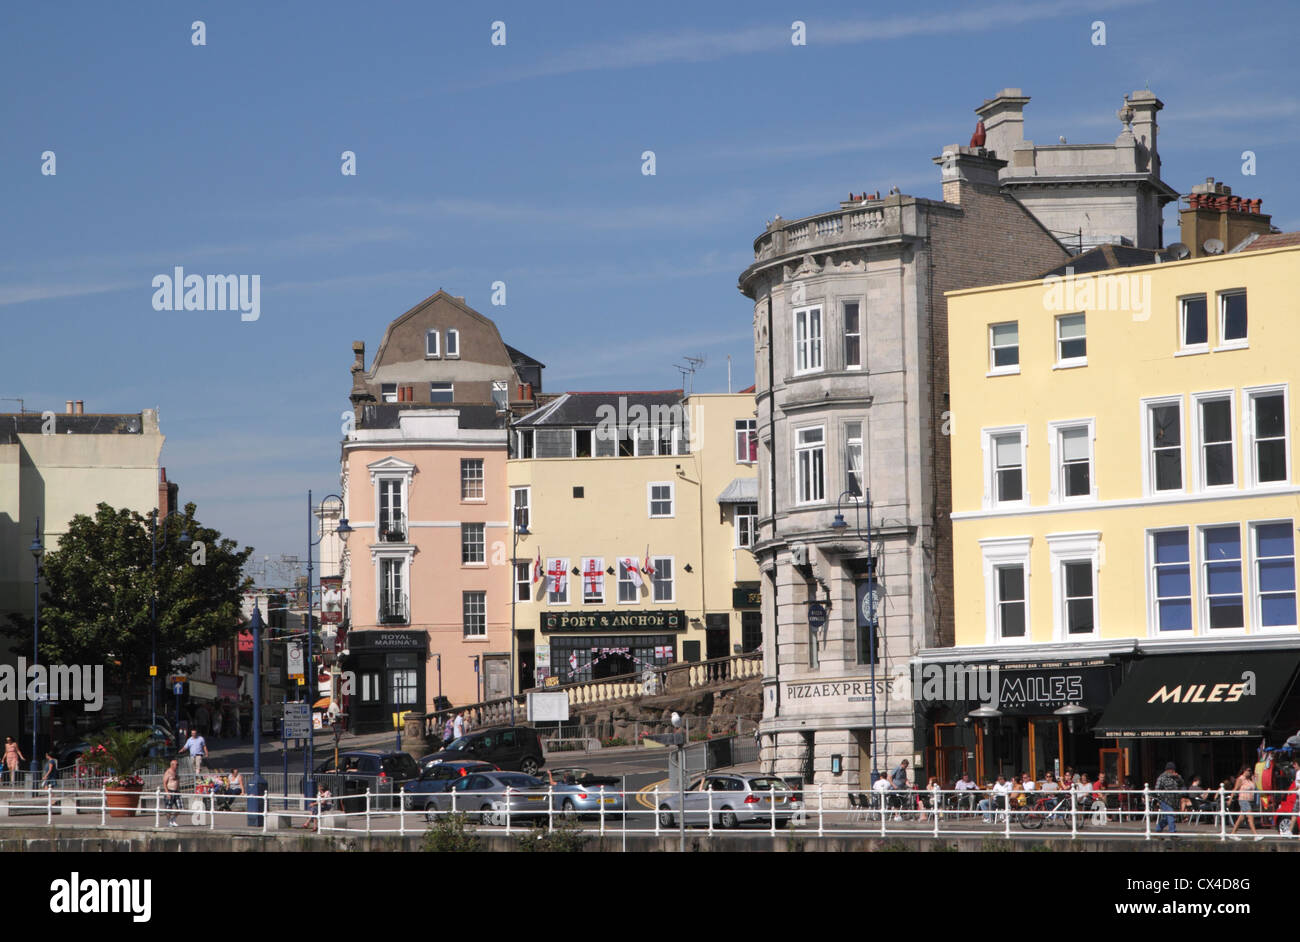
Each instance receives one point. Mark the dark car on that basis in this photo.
(437, 776)
(513, 748)
(383, 773)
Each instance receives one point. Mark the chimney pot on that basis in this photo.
(81, 406)
(68, 406)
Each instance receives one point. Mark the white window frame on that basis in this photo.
(1183, 345)
(1080, 547)
(799, 450)
(388, 392)
(482, 481)
(999, 552)
(432, 351)
(1009, 369)
(1203, 595)
(1220, 303)
(857, 302)
(748, 433)
(624, 578)
(859, 440)
(600, 568)
(1148, 447)
(552, 597)
(990, 465)
(379, 555)
(452, 351)
(657, 562)
(526, 583)
(526, 506)
(1055, 430)
(1256, 620)
(650, 500)
(809, 345)
(1248, 396)
(475, 564)
(451, 389)
(1198, 467)
(1063, 362)
(464, 613)
(1193, 583)
(741, 527)
(501, 386)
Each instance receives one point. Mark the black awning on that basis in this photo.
(1211, 694)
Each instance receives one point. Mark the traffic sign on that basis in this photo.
(153, 670)
(297, 721)
(178, 689)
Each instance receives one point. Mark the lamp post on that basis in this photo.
(37, 550)
(153, 618)
(518, 531)
(257, 786)
(840, 524)
(309, 665)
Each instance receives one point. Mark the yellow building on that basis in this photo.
(634, 513)
(1124, 515)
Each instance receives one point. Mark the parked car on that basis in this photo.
(513, 748)
(437, 776)
(161, 743)
(734, 799)
(487, 795)
(580, 792)
(383, 773)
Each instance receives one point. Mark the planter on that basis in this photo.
(123, 800)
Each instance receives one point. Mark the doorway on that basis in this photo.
(717, 640)
(612, 665)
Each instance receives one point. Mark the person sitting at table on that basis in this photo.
(235, 783)
(997, 798)
(1016, 788)
(965, 789)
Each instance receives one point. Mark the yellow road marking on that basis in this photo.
(642, 796)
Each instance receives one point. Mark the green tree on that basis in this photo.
(98, 584)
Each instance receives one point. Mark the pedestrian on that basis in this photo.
(217, 723)
(448, 730)
(1169, 787)
(197, 747)
(898, 783)
(51, 773)
(458, 725)
(172, 786)
(13, 759)
(1246, 802)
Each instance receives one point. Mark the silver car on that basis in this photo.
(488, 796)
(579, 793)
(733, 799)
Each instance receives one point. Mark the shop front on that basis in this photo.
(1208, 712)
(747, 600)
(1004, 718)
(389, 669)
(594, 645)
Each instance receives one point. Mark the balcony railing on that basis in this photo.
(392, 528)
(393, 612)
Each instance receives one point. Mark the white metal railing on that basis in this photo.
(824, 810)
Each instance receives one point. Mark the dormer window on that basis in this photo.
(431, 344)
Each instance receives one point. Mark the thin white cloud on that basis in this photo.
(47, 291)
(702, 46)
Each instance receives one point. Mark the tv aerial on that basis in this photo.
(688, 371)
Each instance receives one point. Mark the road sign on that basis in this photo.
(548, 707)
(178, 689)
(297, 720)
(295, 660)
(153, 670)
(816, 615)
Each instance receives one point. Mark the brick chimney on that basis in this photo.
(965, 167)
(360, 392)
(1004, 121)
(69, 407)
(1212, 212)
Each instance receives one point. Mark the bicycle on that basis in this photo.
(1049, 808)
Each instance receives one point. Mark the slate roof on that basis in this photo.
(1106, 257)
(388, 414)
(29, 423)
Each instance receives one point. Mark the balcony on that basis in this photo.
(394, 612)
(392, 528)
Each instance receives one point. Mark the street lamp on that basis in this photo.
(680, 740)
(37, 551)
(309, 666)
(258, 785)
(153, 617)
(519, 530)
(839, 524)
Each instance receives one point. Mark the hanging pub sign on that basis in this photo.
(331, 594)
(746, 595)
(658, 620)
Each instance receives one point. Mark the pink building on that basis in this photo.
(427, 572)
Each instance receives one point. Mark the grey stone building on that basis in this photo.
(850, 336)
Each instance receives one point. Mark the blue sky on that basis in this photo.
(520, 163)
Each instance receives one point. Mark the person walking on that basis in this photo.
(197, 747)
(1169, 787)
(1246, 802)
(50, 775)
(13, 759)
(448, 730)
(172, 788)
(898, 784)
(458, 725)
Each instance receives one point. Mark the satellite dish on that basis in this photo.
(1214, 246)
(1179, 250)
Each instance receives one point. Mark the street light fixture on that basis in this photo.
(840, 524)
(518, 529)
(37, 550)
(309, 665)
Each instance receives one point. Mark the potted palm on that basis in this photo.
(119, 755)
